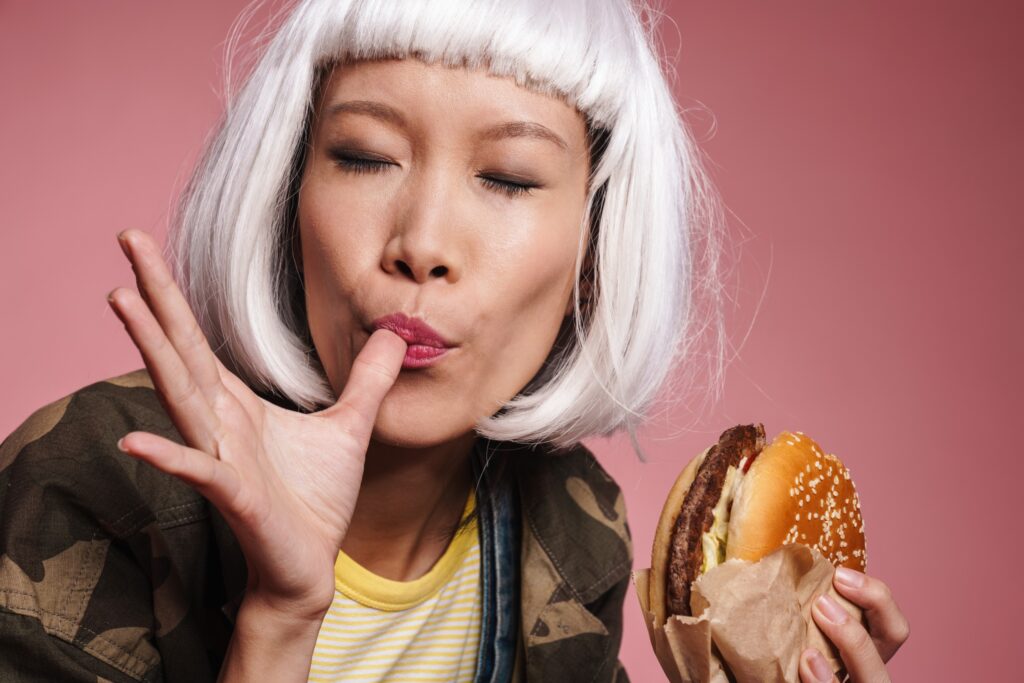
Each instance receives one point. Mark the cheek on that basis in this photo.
(338, 255)
(527, 303)
(335, 243)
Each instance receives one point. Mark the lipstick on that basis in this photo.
(426, 346)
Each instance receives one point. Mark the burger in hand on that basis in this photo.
(743, 499)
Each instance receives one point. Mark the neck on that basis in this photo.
(409, 502)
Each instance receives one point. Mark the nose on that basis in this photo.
(416, 268)
(424, 243)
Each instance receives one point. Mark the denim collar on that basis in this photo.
(499, 527)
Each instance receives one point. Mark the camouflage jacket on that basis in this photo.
(113, 571)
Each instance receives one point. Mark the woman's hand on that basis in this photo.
(864, 651)
(285, 482)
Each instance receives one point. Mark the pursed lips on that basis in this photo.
(426, 345)
(412, 330)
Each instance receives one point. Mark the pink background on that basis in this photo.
(870, 158)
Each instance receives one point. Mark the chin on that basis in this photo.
(414, 425)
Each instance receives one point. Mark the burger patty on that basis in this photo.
(686, 553)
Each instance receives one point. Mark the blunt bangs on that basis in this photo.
(647, 304)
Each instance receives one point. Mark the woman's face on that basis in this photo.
(452, 197)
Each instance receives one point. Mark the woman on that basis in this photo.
(431, 247)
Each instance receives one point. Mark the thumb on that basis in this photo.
(373, 373)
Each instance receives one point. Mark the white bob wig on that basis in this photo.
(651, 219)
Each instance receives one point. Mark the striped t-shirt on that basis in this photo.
(427, 629)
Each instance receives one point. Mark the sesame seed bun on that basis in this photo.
(796, 493)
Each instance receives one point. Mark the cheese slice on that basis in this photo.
(714, 539)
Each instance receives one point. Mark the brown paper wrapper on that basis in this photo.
(755, 620)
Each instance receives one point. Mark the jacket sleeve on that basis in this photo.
(28, 654)
(608, 609)
(89, 589)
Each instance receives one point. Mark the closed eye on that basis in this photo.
(509, 187)
(359, 165)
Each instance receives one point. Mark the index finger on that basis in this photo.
(860, 655)
(172, 311)
(887, 624)
(373, 373)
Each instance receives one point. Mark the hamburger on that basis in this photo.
(743, 499)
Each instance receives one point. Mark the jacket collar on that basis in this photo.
(577, 514)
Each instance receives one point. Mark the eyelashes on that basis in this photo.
(360, 165)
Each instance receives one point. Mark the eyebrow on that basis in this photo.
(524, 129)
(510, 129)
(377, 110)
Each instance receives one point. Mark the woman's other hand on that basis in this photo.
(285, 482)
(864, 651)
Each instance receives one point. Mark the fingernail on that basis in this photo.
(832, 610)
(120, 445)
(850, 577)
(819, 667)
(123, 242)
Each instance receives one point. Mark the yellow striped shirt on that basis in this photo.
(427, 629)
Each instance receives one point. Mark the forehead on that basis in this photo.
(402, 91)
